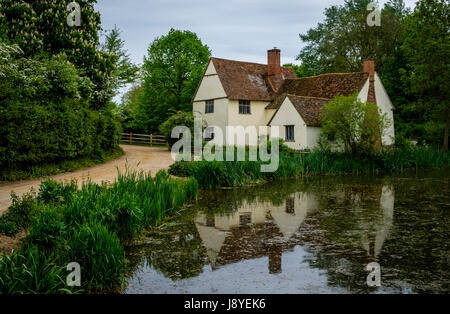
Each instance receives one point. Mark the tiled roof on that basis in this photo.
(309, 108)
(249, 81)
(245, 80)
(325, 85)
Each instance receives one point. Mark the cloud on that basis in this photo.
(233, 29)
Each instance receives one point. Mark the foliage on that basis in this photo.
(171, 73)
(358, 127)
(40, 28)
(45, 113)
(19, 214)
(179, 118)
(300, 70)
(232, 173)
(46, 169)
(426, 45)
(410, 51)
(89, 226)
(30, 271)
(344, 39)
(126, 72)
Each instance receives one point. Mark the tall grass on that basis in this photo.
(233, 173)
(89, 226)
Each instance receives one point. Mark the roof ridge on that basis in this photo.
(309, 97)
(247, 62)
(324, 74)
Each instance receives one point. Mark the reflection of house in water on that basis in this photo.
(258, 229)
(373, 242)
(254, 230)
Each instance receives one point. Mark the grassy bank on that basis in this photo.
(229, 174)
(87, 226)
(49, 169)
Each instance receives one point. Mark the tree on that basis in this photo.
(300, 70)
(171, 73)
(427, 47)
(357, 126)
(40, 28)
(45, 115)
(128, 109)
(126, 72)
(344, 39)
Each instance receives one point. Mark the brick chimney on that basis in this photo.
(273, 62)
(369, 67)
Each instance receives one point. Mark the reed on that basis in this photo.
(216, 174)
(89, 226)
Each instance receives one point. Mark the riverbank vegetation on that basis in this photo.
(216, 174)
(89, 226)
(52, 168)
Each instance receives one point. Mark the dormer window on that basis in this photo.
(209, 106)
(244, 107)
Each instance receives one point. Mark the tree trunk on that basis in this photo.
(447, 126)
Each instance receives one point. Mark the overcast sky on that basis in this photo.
(233, 29)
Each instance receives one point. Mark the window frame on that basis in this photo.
(209, 106)
(289, 135)
(245, 106)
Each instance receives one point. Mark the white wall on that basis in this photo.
(288, 115)
(385, 104)
(312, 135)
(211, 88)
(256, 118)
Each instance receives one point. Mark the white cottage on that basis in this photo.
(234, 93)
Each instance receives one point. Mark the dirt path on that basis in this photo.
(138, 157)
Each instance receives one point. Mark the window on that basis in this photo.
(244, 107)
(290, 133)
(209, 106)
(209, 133)
(290, 206)
(245, 219)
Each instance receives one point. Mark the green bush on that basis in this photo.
(19, 214)
(45, 113)
(48, 230)
(51, 191)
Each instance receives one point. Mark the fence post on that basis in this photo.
(131, 138)
(151, 140)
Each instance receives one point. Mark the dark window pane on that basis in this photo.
(290, 205)
(290, 133)
(244, 107)
(209, 106)
(245, 219)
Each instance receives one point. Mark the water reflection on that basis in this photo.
(311, 235)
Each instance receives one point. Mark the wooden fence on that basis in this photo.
(143, 139)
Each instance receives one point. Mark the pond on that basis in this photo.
(314, 235)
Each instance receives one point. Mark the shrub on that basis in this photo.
(46, 115)
(19, 214)
(48, 230)
(51, 191)
(357, 126)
